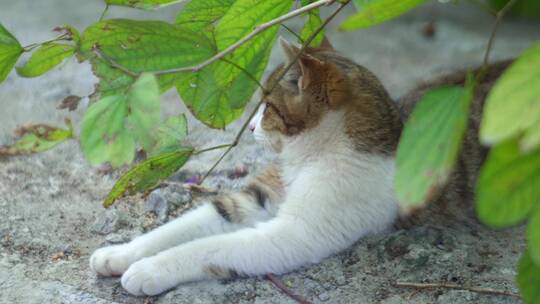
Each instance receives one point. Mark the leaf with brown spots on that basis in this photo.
(140, 46)
(35, 138)
(148, 174)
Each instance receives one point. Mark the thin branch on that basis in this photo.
(259, 84)
(457, 287)
(32, 46)
(96, 50)
(212, 148)
(231, 48)
(268, 92)
(258, 29)
(104, 12)
(279, 284)
(498, 19)
(292, 32)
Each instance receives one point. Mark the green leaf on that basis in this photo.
(144, 46)
(143, 4)
(112, 125)
(148, 174)
(513, 105)
(531, 138)
(217, 94)
(111, 81)
(312, 24)
(36, 138)
(533, 233)
(141, 46)
(104, 136)
(144, 109)
(10, 51)
(204, 97)
(45, 58)
(170, 134)
(377, 11)
(202, 14)
(528, 279)
(508, 186)
(430, 144)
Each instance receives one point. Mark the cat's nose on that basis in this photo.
(251, 126)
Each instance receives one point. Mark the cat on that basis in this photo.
(335, 129)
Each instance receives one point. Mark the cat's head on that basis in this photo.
(322, 82)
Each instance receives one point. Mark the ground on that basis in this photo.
(50, 204)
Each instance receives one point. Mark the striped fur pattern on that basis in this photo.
(335, 130)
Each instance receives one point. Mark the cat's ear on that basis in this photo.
(310, 67)
(291, 51)
(314, 70)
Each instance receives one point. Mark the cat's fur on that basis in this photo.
(336, 131)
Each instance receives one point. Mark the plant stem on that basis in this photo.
(455, 286)
(293, 32)
(268, 92)
(279, 284)
(96, 50)
(32, 46)
(231, 48)
(211, 148)
(105, 10)
(498, 18)
(259, 84)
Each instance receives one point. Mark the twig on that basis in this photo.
(32, 46)
(96, 50)
(498, 17)
(212, 148)
(231, 48)
(267, 92)
(457, 287)
(248, 74)
(104, 12)
(292, 32)
(279, 284)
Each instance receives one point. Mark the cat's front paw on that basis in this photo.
(147, 277)
(112, 260)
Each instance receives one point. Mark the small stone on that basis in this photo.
(341, 280)
(109, 221)
(116, 238)
(178, 195)
(324, 296)
(158, 204)
(162, 200)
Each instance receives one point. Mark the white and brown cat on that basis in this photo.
(336, 130)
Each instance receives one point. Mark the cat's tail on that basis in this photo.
(456, 198)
